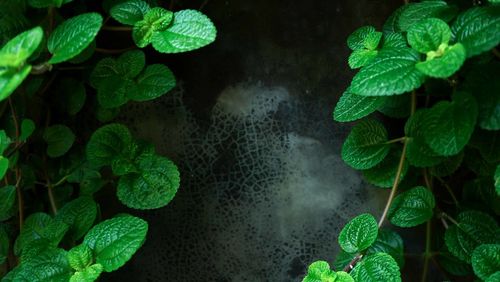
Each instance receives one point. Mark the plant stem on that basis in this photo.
(352, 263)
(19, 192)
(51, 199)
(41, 68)
(450, 191)
(116, 28)
(427, 254)
(449, 218)
(114, 51)
(400, 139)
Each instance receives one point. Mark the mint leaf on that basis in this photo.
(129, 12)
(4, 245)
(319, 271)
(427, 35)
(4, 141)
(107, 144)
(115, 240)
(190, 30)
(361, 58)
(448, 166)
(50, 265)
(392, 72)
(377, 267)
(415, 12)
(412, 207)
(80, 257)
(10, 79)
(486, 260)
(365, 146)
(383, 174)
(79, 215)
(20, 48)
(153, 82)
(27, 128)
(389, 242)
(88, 274)
(59, 139)
(477, 29)
(72, 36)
(351, 107)
(155, 20)
(495, 277)
(7, 202)
(359, 233)
(394, 39)
(364, 37)
(444, 65)
(153, 187)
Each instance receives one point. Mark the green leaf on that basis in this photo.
(495, 277)
(412, 207)
(47, 3)
(59, 139)
(20, 48)
(415, 12)
(377, 267)
(4, 166)
(427, 35)
(477, 29)
(115, 240)
(359, 233)
(153, 187)
(7, 202)
(129, 12)
(153, 82)
(40, 226)
(418, 152)
(51, 265)
(319, 271)
(474, 228)
(4, 141)
(71, 95)
(364, 37)
(155, 20)
(351, 107)
(392, 72)
(448, 166)
(445, 65)
(383, 174)
(361, 58)
(486, 260)
(72, 36)
(10, 79)
(80, 257)
(190, 30)
(451, 124)
(79, 215)
(4, 245)
(107, 144)
(88, 274)
(365, 146)
(27, 128)
(497, 180)
(394, 39)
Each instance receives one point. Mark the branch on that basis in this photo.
(353, 263)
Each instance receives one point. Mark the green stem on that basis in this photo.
(400, 139)
(52, 199)
(450, 191)
(427, 253)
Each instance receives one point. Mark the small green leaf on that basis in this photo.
(10, 79)
(129, 12)
(427, 35)
(155, 20)
(412, 208)
(4, 245)
(486, 260)
(474, 228)
(451, 124)
(153, 187)
(72, 36)
(153, 82)
(115, 240)
(4, 141)
(364, 37)
(361, 58)
(359, 233)
(59, 139)
(392, 72)
(27, 128)
(190, 30)
(79, 215)
(446, 65)
(108, 143)
(80, 257)
(319, 271)
(20, 48)
(7, 202)
(477, 29)
(377, 267)
(351, 107)
(383, 174)
(88, 274)
(415, 12)
(4, 166)
(365, 146)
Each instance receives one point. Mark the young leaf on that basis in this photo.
(365, 146)
(474, 228)
(444, 65)
(377, 267)
(319, 271)
(88, 274)
(27, 128)
(20, 48)
(412, 208)
(383, 174)
(359, 233)
(115, 240)
(486, 260)
(392, 72)
(129, 12)
(395, 40)
(59, 139)
(155, 20)
(80, 257)
(10, 79)
(361, 58)
(190, 30)
(477, 29)
(153, 187)
(7, 202)
(415, 12)
(427, 35)
(153, 82)
(451, 124)
(107, 143)
(4, 245)
(351, 107)
(72, 36)
(79, 215)
(364, 37)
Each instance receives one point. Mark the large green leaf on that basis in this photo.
(377, 268)
(359, 233)
(392, 72)
(80, 257)
(107, 143)
(427, 35)
(190, 30)
(495, 277)
(446, 63)
(153, 187)
(79, 215)
(153, 82)
(155, 20)
(451, 124)
(51, 265)
(383, 174)
(72, 36)
(10, 79)
(115, 240)
(415, 12)
(20, 48)
(351, 107)
(59, 140)
(365, 146)
(412, 207)
(477, 29)
(7, 202)
(486, 260)
(129, 12)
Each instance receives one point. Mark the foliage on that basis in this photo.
(57, 162)
(434, 68)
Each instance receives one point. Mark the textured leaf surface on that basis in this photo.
(365, 146)
(453, 265)
(190, 30)
(79, 215)
(383, 174)
(446, 65)
(51, 265)
(359, 233)
(320, 271)
(412, 208)
(7, 202)
(129, 12)
(88, 274)
(448, 166)
(392, 72)
(11, 79)
(418, 153)
(80, 257)
(72, 36)
(59, 139)
(415, 12)
(375, 268)
(351, 107)
(155, 20)
(115, 240)
(155, 81)
(20, 48)
(486, 260)
(427, 35)
(364, 37)
(361, 58)
(107, 143)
